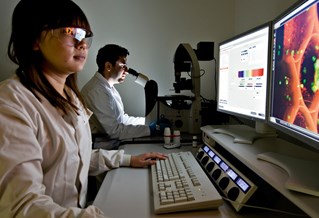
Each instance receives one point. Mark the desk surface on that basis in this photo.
(127, 192)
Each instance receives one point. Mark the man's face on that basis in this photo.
(120, 70)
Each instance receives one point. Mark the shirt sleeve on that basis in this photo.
(105, 111)
(131, 120)
(105, 160)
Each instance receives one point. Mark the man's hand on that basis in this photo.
(146, 159)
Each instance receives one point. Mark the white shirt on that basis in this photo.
(46, 157)
(108, 111)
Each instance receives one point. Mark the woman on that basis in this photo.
(45, 140)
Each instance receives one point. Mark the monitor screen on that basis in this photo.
(294, 99)
(243, 73)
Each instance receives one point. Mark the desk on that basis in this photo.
(185, 138)
(126, 192)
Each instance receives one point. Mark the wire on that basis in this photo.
(266, 208)
(206, 100)
(201, 70)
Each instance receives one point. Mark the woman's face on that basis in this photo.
(60, 58)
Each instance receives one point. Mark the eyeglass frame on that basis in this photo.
(87, 39)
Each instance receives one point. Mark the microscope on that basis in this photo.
(184, 111)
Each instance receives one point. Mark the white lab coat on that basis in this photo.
(108, 111)
(45, 158)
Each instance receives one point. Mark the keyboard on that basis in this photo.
(180, 184)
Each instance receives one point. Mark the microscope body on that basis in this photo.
(185, 60)
(184, 111)
(176, 109)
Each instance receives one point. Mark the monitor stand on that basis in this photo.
(303, 174)
(245, 134)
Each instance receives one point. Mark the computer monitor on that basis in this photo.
(243, 81)
(294, 94)
(294, 99)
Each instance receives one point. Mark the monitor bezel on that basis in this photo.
(297, 136)
(250, 31)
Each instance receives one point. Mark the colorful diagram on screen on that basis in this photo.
(296, 89)
(251, 78)
(251, 73)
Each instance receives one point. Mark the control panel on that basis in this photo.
(227, 178)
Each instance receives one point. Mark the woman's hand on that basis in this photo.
(146, 159)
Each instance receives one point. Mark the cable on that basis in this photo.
(201, 70)
(266, 208)
(205, 100)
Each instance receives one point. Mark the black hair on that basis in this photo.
(29, 19)
(110, 53)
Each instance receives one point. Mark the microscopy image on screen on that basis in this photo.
(296, 75)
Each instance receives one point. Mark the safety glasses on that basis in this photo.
(72, 36)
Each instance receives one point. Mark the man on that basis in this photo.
(105, 102)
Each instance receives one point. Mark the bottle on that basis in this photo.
(167, 135)
(194, 144)
(177, 137)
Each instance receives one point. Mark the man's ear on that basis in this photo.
(108, 66)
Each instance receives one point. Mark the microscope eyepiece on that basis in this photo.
(133, 72)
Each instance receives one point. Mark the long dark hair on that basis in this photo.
(29, 19)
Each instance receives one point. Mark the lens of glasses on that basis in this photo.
(122, 65)
(72, 36)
